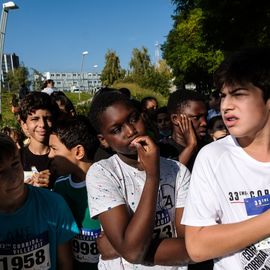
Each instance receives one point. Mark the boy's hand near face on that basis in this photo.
(148, 155)
(186, 128)
(187, 132)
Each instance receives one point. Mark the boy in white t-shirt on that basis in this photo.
(226, 213)
(136, 195)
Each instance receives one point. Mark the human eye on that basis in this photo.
(34, 119)
(116, 130)
(196, 117)
(134, 117)
(222, 95)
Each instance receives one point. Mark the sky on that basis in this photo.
(50, 35)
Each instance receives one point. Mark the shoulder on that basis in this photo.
(215, 152)
(46, 197)
(172, 169)
(62, 180)
(104, 165)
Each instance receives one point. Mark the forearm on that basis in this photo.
(65, 261)
(169, 251)
(130, 233)
(186, 154)
(138, 234)
(209, 242)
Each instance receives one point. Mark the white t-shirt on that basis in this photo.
(111, 182)
(222, 177)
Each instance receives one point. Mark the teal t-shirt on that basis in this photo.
(29, 236)
(75, 194)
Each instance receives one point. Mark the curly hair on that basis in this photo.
(37, 101)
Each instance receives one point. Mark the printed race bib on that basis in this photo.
(163, 225)
(30, 254)
(257, 205)
(84, 246)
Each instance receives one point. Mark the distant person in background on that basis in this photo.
(15, 134)
(125, 91)
(24, 90)
(15, 107)
(213, 103)
(217, 128)
(48, 87)
(149, 103)
(164, 123)
(149, 107)
(65, 105)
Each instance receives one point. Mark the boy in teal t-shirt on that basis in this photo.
(73, 145)
(36, 225)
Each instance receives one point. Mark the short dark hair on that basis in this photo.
(37, 101)
(180, 98)
(246, 66)
(145, 100)
(77, 130)
(8, 148)
(101, 102)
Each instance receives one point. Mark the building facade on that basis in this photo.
(9, 62)
(75, 81)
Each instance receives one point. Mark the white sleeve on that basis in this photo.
(202, 207)
(103, 190)
(181, 186)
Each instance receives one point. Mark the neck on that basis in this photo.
(257, 146)
(38, 148)
(131, 161)
(80, 174)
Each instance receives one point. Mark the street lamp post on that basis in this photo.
(83, 55)
(5, 9)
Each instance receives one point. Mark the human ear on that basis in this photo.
(103, 141)
(79, 152)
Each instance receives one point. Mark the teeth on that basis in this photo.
(232, 118)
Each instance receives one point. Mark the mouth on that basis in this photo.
(230, 121)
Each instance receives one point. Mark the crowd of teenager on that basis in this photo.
(133, 185)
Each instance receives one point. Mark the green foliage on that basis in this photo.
(16, 78)
(188, 53)
(206, 30)
(112, 70)
(146, 75)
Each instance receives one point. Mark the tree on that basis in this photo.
(192, 59)
(17, 77)
(112, 70)
(140, 64)
(38, 80)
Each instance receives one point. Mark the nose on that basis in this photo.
(226, 104)
(130, 129)
(203, 121)
(51, 154)
(42, 122)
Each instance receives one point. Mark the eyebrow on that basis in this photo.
(235, 90)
